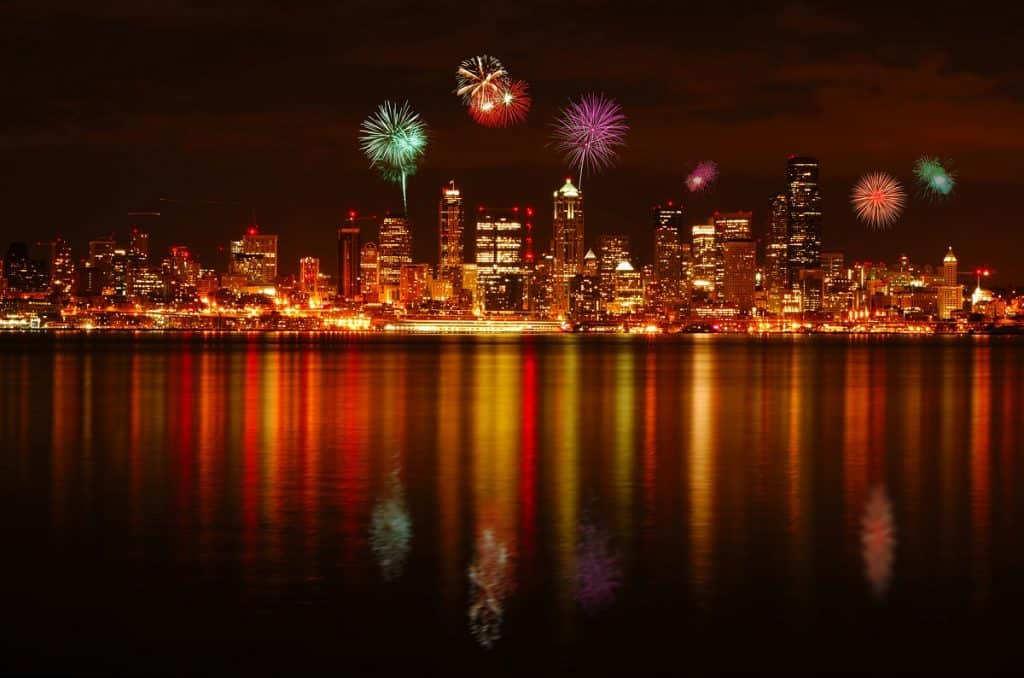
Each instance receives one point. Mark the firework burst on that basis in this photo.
(479, 79)
(934, 178)
(589, 131)
(394, 139)
(702, 176)
(505, 108)
(878, 199)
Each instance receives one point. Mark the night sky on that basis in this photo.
(109, 106)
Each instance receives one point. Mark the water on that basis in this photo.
(287, 504)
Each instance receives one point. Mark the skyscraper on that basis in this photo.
(611, 251)
(729, 226)
(309, 275)
(668, 254)
(567, 242)
(255, 257)
(803, 206)
(499, 258)
(348, 254)
(704, 256)
(951, 294)
(450, 224)
(62, 275)
(395, 249)
(369, 272)
(740, 270)
(776, 262)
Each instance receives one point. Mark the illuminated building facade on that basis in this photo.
(499, 258)
(369, 272)
(704, 254)
(951, 293)
(728, 226)
(668, 255)
(450, 221)
(309, 274)
(395, 249)
(629, 289)
(803, 208)
(740, 271)
(414, 283)
(566, 242)
(611, 250)
(776, 263)
(255, 257)
(62, 273)
(349, 235)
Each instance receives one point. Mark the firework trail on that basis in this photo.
(878, 540)
(702, 176)
(507, 107)
(878, 199)
(489, 586)
(394, 139)
(479, 79)
(934, 178)
(597, 568)
(589, 131)
(391, 530)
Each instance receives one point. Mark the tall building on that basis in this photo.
(951, 294)
(499, 258)
(255, 257)
(394, 250)
(349, 253)
(704, 257)
(101, 251)
(728, 226)
(611, 251)
(832, 266)
(776, 262)
(369, 272)
(450, 220)
(668, 254)
(23, 273)
(309, 274)
(803, 206)
(62, 273)
(740, 271)
(138, 246)
(414, 283)
(567, 242)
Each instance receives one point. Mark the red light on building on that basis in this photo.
(351, 214)
(529, 211)
(252, 230)
(515, 209)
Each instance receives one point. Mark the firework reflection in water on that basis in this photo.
(391, 530)
(598, 574)
(489, 585)
(878, 541)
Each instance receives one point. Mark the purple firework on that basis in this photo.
(702, 176)
(589, 131)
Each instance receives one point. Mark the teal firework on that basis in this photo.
(933, 176)
(394, 140)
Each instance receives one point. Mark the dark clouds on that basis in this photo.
(109, 106)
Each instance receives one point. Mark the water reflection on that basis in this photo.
(598, 572)
(489, 585)
(878, 540)
(391, 529)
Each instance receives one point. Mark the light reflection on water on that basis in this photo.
(794, 487)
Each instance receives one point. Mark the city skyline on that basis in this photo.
(127, 146)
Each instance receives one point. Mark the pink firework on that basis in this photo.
(506, 107)
(878, 199)
(589, 132)
(702, 176)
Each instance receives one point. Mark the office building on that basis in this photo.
(803, 210)
(395, 249)
(567, 241)
(255, 257)
(450, 221)
(668, 255)
(349, 236)
(499, 258)
(611, 251)
(740, 273)
(369, 272)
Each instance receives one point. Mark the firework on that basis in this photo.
(507, 107)
(878, 199)
(394, 139)
(878, 540)
(391, 530)
(935, 179)
(589, 131)
(479, 79)
(702, 176)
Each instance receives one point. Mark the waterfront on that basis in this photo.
(281, 502)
